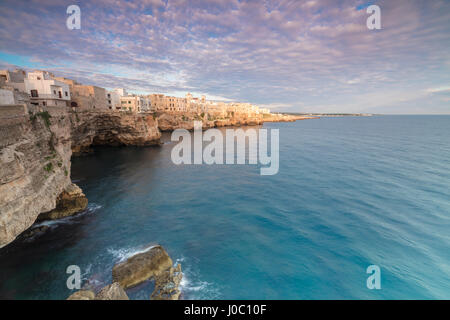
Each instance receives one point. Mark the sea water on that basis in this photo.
(350, 192)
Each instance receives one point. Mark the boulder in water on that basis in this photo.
(141, 267)
(71, 201)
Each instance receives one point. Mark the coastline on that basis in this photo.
(38, 144)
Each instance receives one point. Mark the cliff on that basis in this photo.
(172, 121)
(36, 147)
(93, 128)
(35, 152)
(34, 166)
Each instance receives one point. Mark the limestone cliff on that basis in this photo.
(35, 152)
(34, 165)
(172, 121)
(92, 128)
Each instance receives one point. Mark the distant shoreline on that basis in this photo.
(331, 114)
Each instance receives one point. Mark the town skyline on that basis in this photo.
(288, 56)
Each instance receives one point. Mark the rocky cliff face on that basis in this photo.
(172, 121)
(35, 152)
(113, 129)
(34, 166)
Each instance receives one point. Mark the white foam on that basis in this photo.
(125, 253)
(68, 220)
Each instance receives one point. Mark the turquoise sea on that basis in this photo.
(351, 192)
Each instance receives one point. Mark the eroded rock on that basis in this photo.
(167, 283)
(71, 201)
(82, 295)
(93, 128)
(141, 267)
(112, 292)
(35, 151)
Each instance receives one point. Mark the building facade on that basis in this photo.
(46, 91)
(85, 97)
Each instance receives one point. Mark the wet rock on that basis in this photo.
(112, 292)
(82, 295)
(141, 267)
(167, 283)
(71, 201)
(34, 232)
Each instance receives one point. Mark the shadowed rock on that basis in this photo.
(112, 292)
(71, 201)
(167, 283)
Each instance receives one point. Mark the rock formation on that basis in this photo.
(166, 284)
(112, 292)
(154, 263)
(93, 128)
(35, 151)
(71, 201)
(82, 295)
(141, 267)
(172, 121)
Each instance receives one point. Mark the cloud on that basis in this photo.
(297, 55)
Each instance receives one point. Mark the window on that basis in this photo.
(129, 101)
(34, 93)
(54, 91)
(44, 103)
(67, 94)
(109, 101)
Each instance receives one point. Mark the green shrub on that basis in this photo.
(48, 167)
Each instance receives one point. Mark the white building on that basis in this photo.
(113, 100)
(45, 91)
(121, 92)
(6, 97)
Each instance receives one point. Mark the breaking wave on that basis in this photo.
(91, 208)
(123, 254)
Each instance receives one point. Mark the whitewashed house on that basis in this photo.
(46, 91)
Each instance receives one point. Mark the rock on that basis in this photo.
(141, 267)
(71, 201)
(35, 153)
(112, 292)
(91, 128)
(167, 283)
(82, 295)
(34, 231)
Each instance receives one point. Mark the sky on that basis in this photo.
(289, 56)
